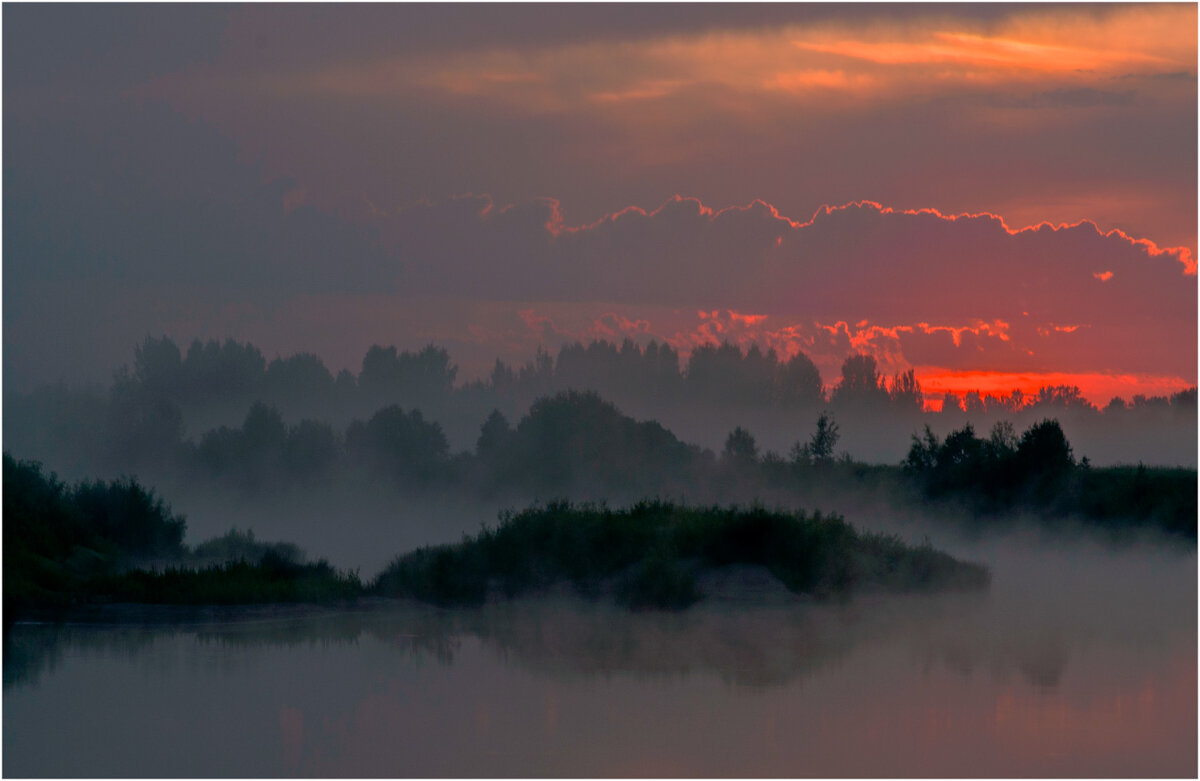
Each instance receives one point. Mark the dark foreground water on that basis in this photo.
(1078, 662)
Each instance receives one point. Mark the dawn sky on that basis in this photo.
(995, 196)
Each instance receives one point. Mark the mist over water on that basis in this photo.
(320, 320)
(353, 528)
(1079, 660)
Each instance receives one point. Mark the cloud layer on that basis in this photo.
(218, 172)
(964, 291)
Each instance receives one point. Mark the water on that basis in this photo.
(1080, 661)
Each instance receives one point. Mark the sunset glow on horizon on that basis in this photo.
(1097, 389)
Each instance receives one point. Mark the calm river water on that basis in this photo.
(1079, 661)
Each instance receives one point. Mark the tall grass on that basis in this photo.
(273, 579)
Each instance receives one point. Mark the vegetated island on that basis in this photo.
(104, 542)
(651, 555)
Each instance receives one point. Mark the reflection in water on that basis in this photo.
(560, 636)
(1067, 670)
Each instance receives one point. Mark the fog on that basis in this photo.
(1079, 660)
(354, 529)
(367, 307)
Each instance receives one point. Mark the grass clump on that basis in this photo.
(650, 555)
(272, 579)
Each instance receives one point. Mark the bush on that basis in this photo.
(57, 538)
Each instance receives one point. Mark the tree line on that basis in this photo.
(209, 372)
(579, 445)
(167, 395)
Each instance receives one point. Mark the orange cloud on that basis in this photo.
(818, 78)
(747, 320)
(982, 51)
(1075, 45)
(644, 91)
(674, 108)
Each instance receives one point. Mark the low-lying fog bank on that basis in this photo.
(1080, 660)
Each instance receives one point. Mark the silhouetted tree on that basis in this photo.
(922, 453)
(401, 444)
(536, 378)
(952, 405)
(861, 383)
(798, 382)
(302, 376)
(494, 436)
(503, 380)
(740, 448)
(905, 393)
(819, 448)
(974, 403)
(56, 537)
(996, 471)
(158, 368)
(661, 367)
(250, 454)
(389, 376)
(1044, 454)
(578, 439)
(1003, 439)
(1184, 400)
(714, 375)
(1060, 397)
(265, 449)
(1014, 402)
(1115, 406)
(1143, 402)
(130, 516)
(217, 372)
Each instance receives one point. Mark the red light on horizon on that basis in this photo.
(1097, 388)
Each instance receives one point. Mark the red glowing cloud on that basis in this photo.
(966, 292)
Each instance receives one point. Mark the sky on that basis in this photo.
(994, 196)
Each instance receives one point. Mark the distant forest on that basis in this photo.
(218, 405)
(221, 416)
(222, 421)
